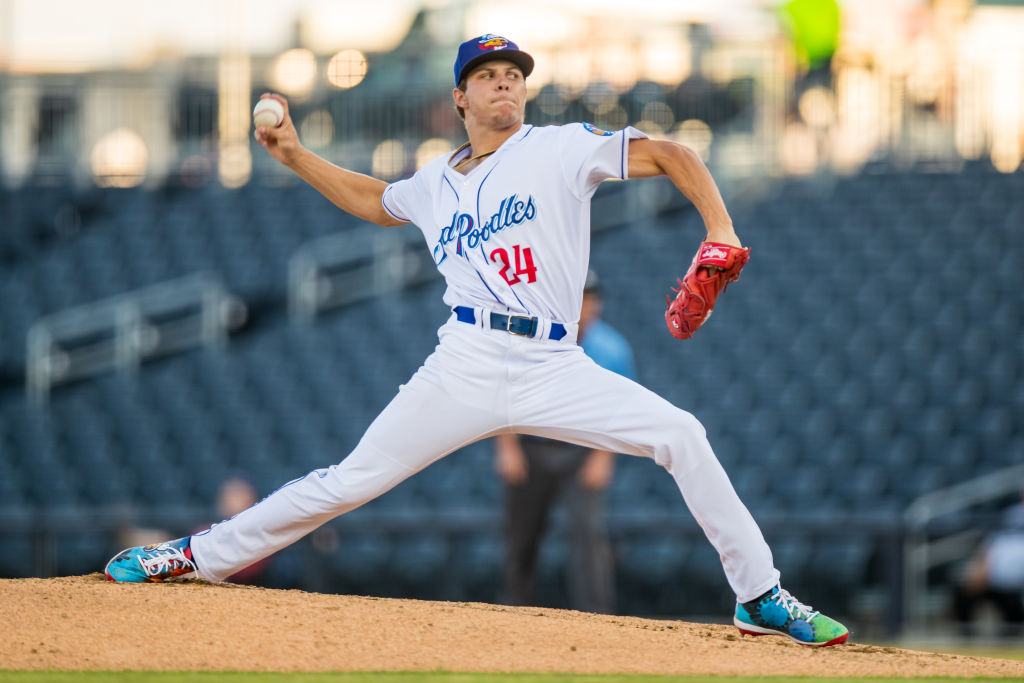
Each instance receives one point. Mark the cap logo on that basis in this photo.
(487, 47)
(492, 42)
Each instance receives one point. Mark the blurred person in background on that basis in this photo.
(814, 28)
(237, 493)
(537, 471)
(996, 574)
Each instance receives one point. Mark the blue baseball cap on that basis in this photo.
(476, 51)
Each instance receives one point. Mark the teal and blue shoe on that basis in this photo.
(777, 613)
(167, 561)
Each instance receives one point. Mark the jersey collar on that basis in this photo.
(461, 152)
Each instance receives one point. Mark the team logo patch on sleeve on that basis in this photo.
(597, 131)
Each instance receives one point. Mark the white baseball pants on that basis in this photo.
(478, 383)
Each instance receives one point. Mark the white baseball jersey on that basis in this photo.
(513, 235)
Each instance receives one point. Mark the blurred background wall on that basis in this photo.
(177, 311)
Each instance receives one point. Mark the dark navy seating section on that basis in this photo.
(870, 353)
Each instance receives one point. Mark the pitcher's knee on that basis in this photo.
(683, 445)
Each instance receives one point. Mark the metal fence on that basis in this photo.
(745, 106)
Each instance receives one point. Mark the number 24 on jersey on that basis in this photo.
(523, 265)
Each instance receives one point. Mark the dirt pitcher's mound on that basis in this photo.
(87, 623)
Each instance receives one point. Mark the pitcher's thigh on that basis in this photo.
(423, 423)
(584, 403)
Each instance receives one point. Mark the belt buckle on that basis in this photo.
(532, 330)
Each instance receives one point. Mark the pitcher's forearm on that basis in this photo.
(693, 179)
(355, 193)
(684, 167)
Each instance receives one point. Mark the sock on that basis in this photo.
(752, 605)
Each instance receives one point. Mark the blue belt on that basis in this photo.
(513, 324)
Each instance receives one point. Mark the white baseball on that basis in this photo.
(268, 112)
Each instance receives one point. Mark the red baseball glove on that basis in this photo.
(714, 266)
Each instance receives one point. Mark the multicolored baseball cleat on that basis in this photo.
(777, 613)
(167, 561)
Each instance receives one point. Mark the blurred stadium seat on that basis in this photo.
(867, 356)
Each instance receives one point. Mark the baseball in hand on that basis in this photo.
(268, 112)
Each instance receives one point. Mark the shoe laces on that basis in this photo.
(166, 561)
(793, 607)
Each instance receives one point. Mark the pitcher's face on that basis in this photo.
(495, 95)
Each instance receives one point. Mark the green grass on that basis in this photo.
(412, 677)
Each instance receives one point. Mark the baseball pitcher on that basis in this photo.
(506, 218)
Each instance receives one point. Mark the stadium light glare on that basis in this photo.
(317, 129)
(543, 72)
(294, 72)
(574, 70)
(234, 165)
(619, 65)
(799, 150)
(661, 114)
(430, 150)
(557, 29)
(817, 107)
(346, 69)
(553, 100)
(665, 59)
(119, 159)
(696, 135)
(612, 119)
(389, 159)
